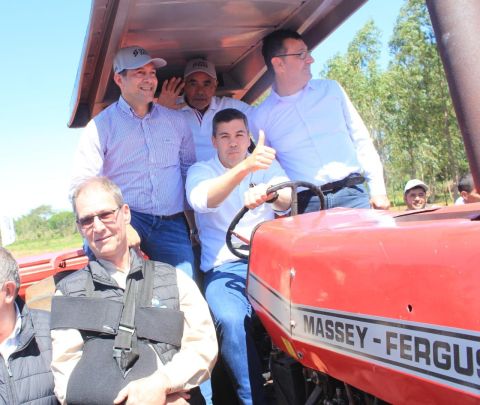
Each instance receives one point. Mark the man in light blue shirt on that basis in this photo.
(146, 150)
(317, 133)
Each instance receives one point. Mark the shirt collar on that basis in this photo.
(213, 105)
(18, 322)
(219, 164)
(125, 107)
(293, 96)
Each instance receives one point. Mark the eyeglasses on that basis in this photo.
(302, 55)
(107, 217)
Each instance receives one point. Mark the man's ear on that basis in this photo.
(10, 290)
(464, 195)
(118, 79)
(277, 64)
(126, 213)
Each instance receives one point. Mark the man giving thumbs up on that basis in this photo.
(216, 190)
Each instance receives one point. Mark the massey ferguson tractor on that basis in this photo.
(362, 306)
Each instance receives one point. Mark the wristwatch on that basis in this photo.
(193, 232)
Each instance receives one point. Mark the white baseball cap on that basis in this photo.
(134, 57)
(200, 65)
(415, 183)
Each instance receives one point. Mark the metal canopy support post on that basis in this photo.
(457, 28)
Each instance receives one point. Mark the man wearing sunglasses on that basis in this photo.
(146, 149)
(317, 133)
(25, 346)
(126, 329)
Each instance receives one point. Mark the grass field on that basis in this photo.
(37, 247)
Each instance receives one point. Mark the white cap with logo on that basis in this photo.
(135, 57)
(200, 65)
(415, 183)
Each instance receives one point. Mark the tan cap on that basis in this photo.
(200, 65)
(415, 183)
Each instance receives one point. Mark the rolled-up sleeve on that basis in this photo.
(198, 182)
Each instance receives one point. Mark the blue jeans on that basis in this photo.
(232, 313)
(348, 197)
(165, 240)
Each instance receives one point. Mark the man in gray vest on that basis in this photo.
(25, 346)
(128, 329)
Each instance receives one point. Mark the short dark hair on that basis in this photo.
(466, 183)
(273, 44)
(227, 115)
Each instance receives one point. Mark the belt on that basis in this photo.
(173, 216)
(353, 179)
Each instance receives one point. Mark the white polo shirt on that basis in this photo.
(213, 223)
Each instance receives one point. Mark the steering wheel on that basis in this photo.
(245, 247)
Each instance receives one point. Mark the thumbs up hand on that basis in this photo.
(262, 157)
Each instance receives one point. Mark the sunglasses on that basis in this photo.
(107, 217)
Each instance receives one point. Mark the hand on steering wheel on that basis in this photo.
(294, 211)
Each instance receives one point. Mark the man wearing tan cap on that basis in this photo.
(200, 103)
(415, 194)
(146, 150)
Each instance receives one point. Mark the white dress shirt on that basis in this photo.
(201, 126)
(213, 223)
(319, 136)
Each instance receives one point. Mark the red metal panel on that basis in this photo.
(36, 268)
(409, 284)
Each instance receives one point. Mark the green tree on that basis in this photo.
(62, 223)
(34, 225)
(407, 108)
(424, 140)
(44, 223)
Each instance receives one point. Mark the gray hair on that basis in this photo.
(105, 184)
(8, 268)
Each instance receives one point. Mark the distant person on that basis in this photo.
(415, 194)
(123, 328)
(25, 345)
(146, 149)
(217, 189)
(467, 190)
(201, 104)
(317, 133)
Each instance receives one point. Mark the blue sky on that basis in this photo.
(42, 41)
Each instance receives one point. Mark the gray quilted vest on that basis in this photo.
(93, 303)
